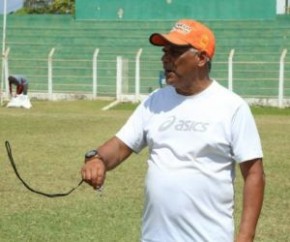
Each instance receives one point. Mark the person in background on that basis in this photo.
(21, 84)
(197, 132)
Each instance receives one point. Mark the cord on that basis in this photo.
(50, 195)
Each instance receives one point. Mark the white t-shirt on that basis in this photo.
(194, 142)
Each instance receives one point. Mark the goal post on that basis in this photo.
(122, 90)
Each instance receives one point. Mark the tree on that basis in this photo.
(62, 6)
(48, 7)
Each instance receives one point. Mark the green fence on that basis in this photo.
(258, 46)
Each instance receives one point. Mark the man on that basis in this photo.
(20, 82)
(196, 131)
(20, 99)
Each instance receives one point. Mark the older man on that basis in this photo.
(196, 131)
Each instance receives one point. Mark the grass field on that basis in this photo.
(48, 143)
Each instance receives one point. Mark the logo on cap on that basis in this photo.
(182, 28)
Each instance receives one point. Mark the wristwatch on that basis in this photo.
(92, 153)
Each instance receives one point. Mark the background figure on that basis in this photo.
(20, 99)
(20, 82)
(162, 79)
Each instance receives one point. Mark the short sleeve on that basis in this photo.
(132, 133)
(246, 144)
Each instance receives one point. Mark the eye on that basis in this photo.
(177, 52)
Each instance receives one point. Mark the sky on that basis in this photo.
(12, 5)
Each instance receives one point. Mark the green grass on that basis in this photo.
(274, 127)
(48, 143)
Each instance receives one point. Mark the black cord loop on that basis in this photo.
(50, 195)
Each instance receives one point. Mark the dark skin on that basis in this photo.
(20, 88)
(187, 70)
(253, 195)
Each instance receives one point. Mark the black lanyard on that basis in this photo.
(51, 195)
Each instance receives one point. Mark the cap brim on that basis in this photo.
(163, 39)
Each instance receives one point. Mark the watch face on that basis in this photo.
(91, 153)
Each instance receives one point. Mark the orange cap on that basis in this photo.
(188, 32)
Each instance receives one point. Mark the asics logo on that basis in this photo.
(167, 124)
(183, 125)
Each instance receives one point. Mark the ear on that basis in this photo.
(203, 59)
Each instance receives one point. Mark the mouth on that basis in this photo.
(168, 70)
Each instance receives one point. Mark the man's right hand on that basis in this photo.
(94, 172)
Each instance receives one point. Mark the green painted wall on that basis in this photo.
(258, 46)
(175, 9)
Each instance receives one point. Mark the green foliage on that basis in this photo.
(62, 6)
(56, 7)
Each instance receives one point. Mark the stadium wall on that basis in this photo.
(258, 45)
(172, 9)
